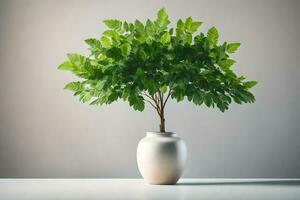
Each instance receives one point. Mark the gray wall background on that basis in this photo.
(46, 132)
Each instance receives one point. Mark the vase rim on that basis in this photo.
(157, 133)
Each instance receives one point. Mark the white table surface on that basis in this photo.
(114, 189)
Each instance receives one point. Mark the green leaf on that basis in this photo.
(92, 42)
(114, 53)
(137, 102)
(125, 93)
(97, 101)
(222, 106)
(100, 85)
(162, 18)
(126, 26)
(188, 24)
(208, 100)
(227, 63)
(178, 95)
(180, 30)
(113, 24)
(194, 26)
(139, 105)
(125, 48)
(139, 26)
(85, 97)
(67, 65)
(105, 42)
(250, 84)
(150, 86)
(149, 28)
(94, 46)
(77, 60)
(163, 89)
(74, 86)
(165, 38)
(180, 24)
(197, 99)
(112, 33)
(188, 38)
(232, 47)
(213, 35)
(139, 72)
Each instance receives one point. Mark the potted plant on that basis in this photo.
(152, 63)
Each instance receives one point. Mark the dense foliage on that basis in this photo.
(149, 62)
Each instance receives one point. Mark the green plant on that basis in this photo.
(151, 63)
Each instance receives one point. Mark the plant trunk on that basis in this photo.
(162, 122)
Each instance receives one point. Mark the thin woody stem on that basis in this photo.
(162, 115)
(151, 104)
(169, 94)
(156, 106)
(158, 103)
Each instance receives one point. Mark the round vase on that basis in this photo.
(161, 157)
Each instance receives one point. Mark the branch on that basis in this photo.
(156, 106)
(156, 100)
(161, 100)
(169, 94)
(150, 97)
(152, 104)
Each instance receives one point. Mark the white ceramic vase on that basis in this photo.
(161, 157)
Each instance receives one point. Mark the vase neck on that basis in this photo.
(160, 134)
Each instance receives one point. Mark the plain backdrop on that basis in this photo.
(46, 132)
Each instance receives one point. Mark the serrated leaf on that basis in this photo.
(189, 38)
(74, 86)
(126, 26)
(139, 72)
(77, 60)
(163, 89)
(85, 97)
(150, 86)
(105, 42)
(208, 100)
(213, 35)
(139, 26)
(162, 18)
(180, 24)
(92, 42)
(137, 102)
(250, 84)
(139, 106)
(194, 26)
(222, 106)
(67, 65)
(100, 85)
(113, 24)
(188, 23)
(165, 38)
(149, 28)
(125, 48)
(232, 47)
(197, 99)
(112, 33)
(178, 95)
(227, 63)
(97, 101)
(180, 30)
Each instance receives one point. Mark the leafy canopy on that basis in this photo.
(135, 60)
